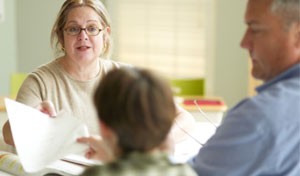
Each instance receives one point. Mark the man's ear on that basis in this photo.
(297, 32)
(297, 40)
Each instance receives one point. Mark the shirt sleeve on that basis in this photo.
(236, 146)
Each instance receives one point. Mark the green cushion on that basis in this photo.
(16, 82)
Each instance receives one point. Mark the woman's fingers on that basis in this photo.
(47, 107)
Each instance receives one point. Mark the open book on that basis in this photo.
(42, 141)
(10, 163)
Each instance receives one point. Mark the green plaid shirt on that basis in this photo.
(141, 164)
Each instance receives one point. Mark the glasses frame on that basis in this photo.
(83, 29)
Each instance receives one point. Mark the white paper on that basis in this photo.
(77, 159)
(40, 140)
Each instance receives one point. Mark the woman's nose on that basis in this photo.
(82, 35)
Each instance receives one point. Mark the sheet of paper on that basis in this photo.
(40, 140)
(78, 159)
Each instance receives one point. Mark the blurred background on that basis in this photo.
(181, 39)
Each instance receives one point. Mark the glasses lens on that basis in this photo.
(73, 30)
(92, 30)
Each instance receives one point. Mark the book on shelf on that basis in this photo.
(41, 142)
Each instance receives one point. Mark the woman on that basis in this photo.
(82, 33)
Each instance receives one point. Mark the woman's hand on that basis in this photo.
(98, 149)
(47, 107)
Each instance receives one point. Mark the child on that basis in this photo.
(136, 112)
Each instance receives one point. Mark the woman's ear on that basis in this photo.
(108, 30)
(106, 36)
(62, 45)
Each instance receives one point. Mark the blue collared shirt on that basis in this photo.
(260, 135)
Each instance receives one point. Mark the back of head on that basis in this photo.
(57, 33)
(138, 106)
(288, 10)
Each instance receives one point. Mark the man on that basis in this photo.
(261, 134)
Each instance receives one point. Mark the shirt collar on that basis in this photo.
(293, 71)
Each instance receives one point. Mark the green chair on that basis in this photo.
(16, 81)
(188, 87)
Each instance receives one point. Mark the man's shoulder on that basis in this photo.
(272, 108)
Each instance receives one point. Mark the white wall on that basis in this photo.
(34, 20)
(231, 65)
(8, 45)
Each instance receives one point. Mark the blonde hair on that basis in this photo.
(57, 33)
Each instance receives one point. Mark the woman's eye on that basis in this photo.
(92, 28)
(73, 29)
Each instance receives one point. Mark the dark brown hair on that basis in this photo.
(138, 106)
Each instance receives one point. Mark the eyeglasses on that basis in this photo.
(90, 30)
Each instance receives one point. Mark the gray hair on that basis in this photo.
(288, 10)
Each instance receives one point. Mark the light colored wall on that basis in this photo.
(8, 49)
(231, 65)
(34, 20)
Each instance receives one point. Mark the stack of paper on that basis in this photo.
(41, 140)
